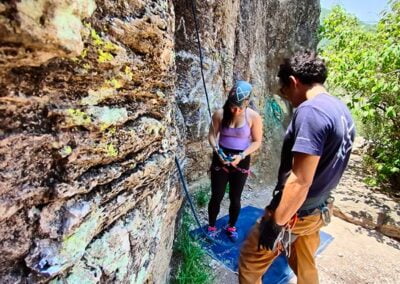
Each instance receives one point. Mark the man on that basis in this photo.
(315, 152)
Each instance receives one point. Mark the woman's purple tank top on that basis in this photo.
(238, 138)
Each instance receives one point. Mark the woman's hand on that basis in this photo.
(221, 156)
(236, 160)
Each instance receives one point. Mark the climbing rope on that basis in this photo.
(184, 185)
(182, 178)
(200, 56)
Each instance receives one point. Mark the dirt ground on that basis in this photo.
(356, 255)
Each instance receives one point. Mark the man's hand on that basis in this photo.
(269, 232)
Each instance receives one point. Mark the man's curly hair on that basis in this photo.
(305, 66)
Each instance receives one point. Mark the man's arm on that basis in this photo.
(296, 187)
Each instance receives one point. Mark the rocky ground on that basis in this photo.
(367, 223)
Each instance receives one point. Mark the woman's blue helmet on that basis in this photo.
(240, 92)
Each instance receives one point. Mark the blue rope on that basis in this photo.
(201, 56)
(184, 185)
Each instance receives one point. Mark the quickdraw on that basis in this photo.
(286, 238)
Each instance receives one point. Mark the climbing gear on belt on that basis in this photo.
(286, 237)
(323, 209)
(325, 215)
(274, 237)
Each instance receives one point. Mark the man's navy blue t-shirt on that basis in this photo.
(321, 126)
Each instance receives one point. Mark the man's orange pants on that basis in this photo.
(253, 263)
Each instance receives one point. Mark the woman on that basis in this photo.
(235, 133)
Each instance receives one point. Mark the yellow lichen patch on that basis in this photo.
(76, 117)
(128, 72)
(103, 47)
(109, 87)
(96, 39)
(111, 150)
(65, 151)
(114, 83)
(104, 56)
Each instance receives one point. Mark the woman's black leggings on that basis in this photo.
(220, 176)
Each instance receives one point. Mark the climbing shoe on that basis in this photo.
(212, 232)
(231, 232)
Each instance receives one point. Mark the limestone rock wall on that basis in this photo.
(240, 40)
(88, 133)
(96, 97)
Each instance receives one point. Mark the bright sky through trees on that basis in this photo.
(366, 10)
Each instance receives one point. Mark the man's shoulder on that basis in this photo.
(324, 104)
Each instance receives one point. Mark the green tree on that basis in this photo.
(364, 68)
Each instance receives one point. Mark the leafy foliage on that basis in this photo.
(192, 267)
(364, 68)
(202, 196)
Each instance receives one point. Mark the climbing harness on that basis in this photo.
(229, 158)
(227, 170)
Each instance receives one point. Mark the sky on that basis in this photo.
(365, 10)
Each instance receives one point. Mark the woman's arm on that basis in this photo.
(256, 134)
(213, 132)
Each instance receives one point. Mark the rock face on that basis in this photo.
(89, 124)
(240, 40)
(359, 204)
(88, 191)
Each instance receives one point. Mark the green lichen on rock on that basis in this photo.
(153, 126)
(63, 19)
(74, 245)
(79, 274)
(106, 116)
(141, 275)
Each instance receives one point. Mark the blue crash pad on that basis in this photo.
(227, 252)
